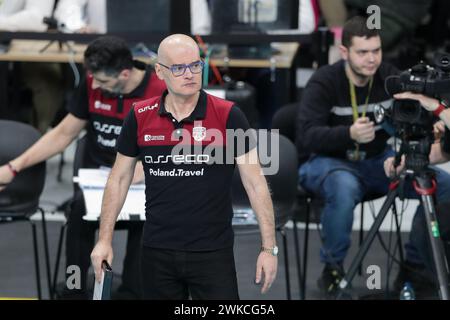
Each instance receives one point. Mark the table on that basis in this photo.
(30, 51)
(283, 59)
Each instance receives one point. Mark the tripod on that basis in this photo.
(425, 186)
(60, 44)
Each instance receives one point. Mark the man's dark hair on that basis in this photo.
(108, 54)
(356, 27)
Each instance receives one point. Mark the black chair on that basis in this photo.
(308, 207)
(20, 199)
(283, 187)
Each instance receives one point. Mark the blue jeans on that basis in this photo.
(342, 184)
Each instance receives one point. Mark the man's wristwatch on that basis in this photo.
(273, 251)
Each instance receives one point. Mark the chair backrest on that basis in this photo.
(280, 153)
(284, 120)
(80, 154)
(21, 196)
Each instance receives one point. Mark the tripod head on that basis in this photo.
(416, 155)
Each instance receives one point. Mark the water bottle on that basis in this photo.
(407, 292)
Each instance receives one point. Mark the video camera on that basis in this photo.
(423, 79)
(408, 120)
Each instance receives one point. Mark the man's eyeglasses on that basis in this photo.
(179, 69)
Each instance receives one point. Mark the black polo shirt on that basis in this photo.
(188, 181)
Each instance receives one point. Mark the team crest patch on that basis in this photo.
(199, 133)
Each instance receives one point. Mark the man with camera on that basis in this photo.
(341, 150)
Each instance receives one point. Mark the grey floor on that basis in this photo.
(17, 277)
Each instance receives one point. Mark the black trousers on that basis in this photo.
(80, 241)
(178, 275)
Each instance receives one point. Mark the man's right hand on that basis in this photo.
(102, 251)
(6, 176)
(363, 130)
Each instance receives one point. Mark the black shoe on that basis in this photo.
(328, 282)
(423, 285)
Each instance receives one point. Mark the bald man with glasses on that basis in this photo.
(114, 81)
(187, 248)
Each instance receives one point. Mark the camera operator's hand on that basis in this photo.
(428, 103)
(439, 130)
(363, 130)
(389, 168)
(437, 155)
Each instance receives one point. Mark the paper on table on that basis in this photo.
(92, 182)
(96, 178)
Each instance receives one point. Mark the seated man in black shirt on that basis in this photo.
(341, 150)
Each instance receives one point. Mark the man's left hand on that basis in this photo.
(266, 267)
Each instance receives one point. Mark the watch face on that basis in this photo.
(275, 250)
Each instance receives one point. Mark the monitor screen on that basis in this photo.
(252, 16)
(230, 16)
(138, 16)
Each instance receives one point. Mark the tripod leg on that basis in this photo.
(46, 46)
(361, 232)
(399, 233)
(436, 245)
(346, 281)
